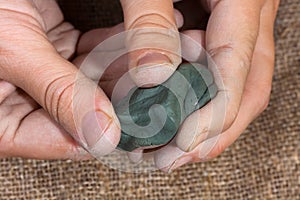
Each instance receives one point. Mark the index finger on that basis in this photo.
(152, 39)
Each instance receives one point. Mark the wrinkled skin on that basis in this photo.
(37, 87)
(239, 39)
(241, 45)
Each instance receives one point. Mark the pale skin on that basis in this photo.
(37, 121)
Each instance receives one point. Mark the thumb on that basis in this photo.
(70, 98)
(152, 39)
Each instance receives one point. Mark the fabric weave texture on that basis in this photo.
(264, 163)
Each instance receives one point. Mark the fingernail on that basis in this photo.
(101, 132)
(93, 127)
(152, 69)
(153, 59)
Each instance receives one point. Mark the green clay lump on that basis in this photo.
(150, 117)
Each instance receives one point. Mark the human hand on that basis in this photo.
(42, 95)
(240, 46)
(237, 45)
(110, 56)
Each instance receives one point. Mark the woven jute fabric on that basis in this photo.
(263, 163)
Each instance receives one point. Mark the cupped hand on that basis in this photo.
(240, 45)
(44, 99)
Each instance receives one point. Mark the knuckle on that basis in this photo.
(58, 96)
(244, 56)
(157, 21)
(224, 48)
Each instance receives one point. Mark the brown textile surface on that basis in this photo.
(263, 164)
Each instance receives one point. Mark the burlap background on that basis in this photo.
(263, 164)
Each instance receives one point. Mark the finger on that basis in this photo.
(98, 46)
(27, 131)
(61, 34)
(78, 105)
(83, 110)
(250, 108)
(178, 18)
(87, 48)
(5, 89)
(136, 156)
(73, 101)
(64, 38)
(258, 84)
(230, 46)
(91, 39)
(193, 46)
(50, 13)
(152, 39)
(70, 98)
(47, 140)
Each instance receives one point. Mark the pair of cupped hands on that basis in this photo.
(44, 116)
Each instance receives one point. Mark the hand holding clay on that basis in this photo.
(40, 107)
(237, 45)
(240, 45)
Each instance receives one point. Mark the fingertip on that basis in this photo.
(193, 45)
(89, 40)
(165, 158)
(136, 156)
(107, 142)
(178, 18)
(152, 30)
(203, 124)
(150, 76)
(153, 69)
(100, 130)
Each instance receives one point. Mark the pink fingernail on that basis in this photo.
(101, 133)
(153, 58)
(152, 69)
(94, 125)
